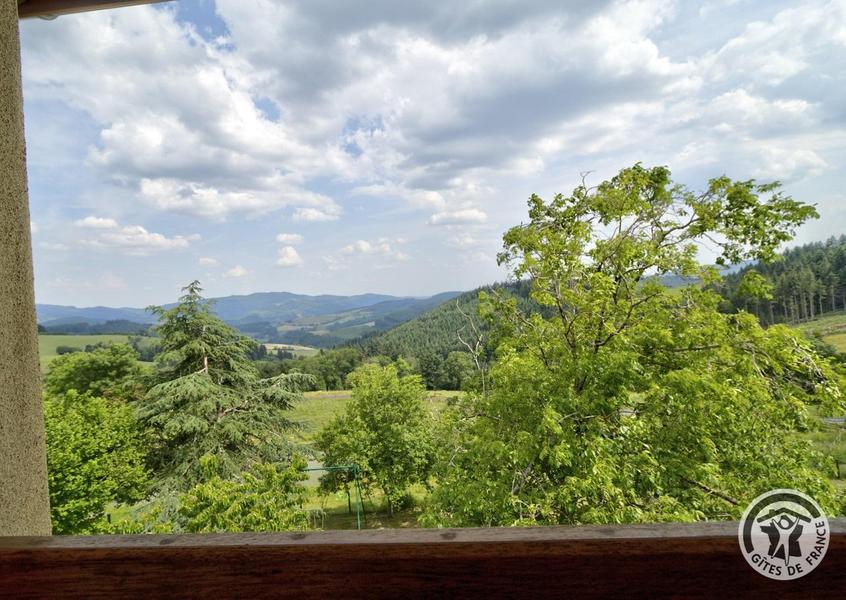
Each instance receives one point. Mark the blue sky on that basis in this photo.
(381, 146)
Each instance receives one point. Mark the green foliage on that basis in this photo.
(385, 430)
(459, 371)
(146, 347)
(64, 349)
(806, 282)
(108, 328)
(210, 399)
(268, 498)
(632, 402)
(110, 371)
(329, 368)
(452, 372)
(95, 457)
(431, 370)
(47, 344)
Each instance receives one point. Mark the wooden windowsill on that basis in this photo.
(631, 561)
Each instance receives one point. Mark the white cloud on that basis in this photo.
(364, 247)
(136, 238)
(315, 214)
(192, 198)
(208, 261)
(458, 217)
(53, 246)
(381, 247)
(33, 227)
(131, 239)
(773, 51)
(110, 281)
(92, 222)
(216, 158)
(787, 164)
(463, 241)
(236, 272)
(288, 257)
(289, 238)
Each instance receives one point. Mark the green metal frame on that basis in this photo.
(353, 468)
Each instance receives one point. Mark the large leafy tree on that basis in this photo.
(209, 399)
(385, 430)
(634, 402)
(95, 457)
(112, 371)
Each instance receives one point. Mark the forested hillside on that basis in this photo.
(326, 331)
(807, 282)
(440, 330)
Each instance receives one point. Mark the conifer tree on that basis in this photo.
(209, 399)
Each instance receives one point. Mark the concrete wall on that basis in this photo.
(24, 501)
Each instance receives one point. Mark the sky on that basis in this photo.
(317, 146)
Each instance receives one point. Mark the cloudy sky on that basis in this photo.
(319, 146)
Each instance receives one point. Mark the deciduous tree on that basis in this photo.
(112, 371)
(385, 430)
(95, 457)
(633, 402)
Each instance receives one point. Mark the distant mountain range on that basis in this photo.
(319, 321)
(280, 317)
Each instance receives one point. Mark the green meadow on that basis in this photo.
(47, 344)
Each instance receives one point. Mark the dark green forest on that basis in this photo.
(804, 283)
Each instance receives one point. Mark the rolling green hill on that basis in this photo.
(328, 330)
(47, 344)
(437, 331)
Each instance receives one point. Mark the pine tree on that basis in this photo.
(209, 399)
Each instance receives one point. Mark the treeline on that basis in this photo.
(330, 369)
(808, 281)
(436, 345)
(447, 328)
(117, 326)
(145, 347)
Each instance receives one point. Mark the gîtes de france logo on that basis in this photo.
(783, 534)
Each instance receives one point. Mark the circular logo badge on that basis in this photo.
(783, 534)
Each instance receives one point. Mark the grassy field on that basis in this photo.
(830, 439)
(831, 328)
(318, 408)
(293, 348)
(47, 344)
(838, 340)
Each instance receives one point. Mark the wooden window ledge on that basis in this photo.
(681, 560)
